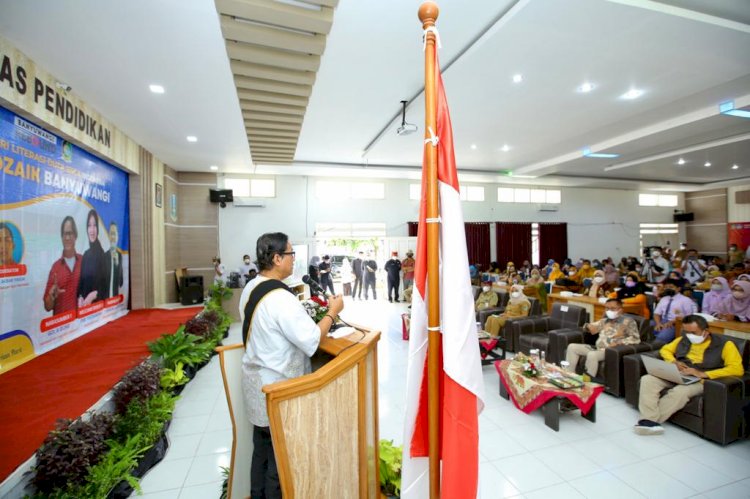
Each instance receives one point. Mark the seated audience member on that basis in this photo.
(515, 278)
(571, 280)
(525, 269)
(736, 307)
(510, 269)
(735, 255)
(719, 291)
(535, 278)
(599, 286)
(612, 330)
(586, 271)
(611, 275)
(744, 277)
(633, 291)
(672, 304)
(624, 266)
(547, 269)
(487, 298)
(698, 353)
(518, 306)
(676, 277)
(555, 273)
(693, 267)
(494, 268)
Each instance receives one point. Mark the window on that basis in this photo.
(657, 234)
(471, 193)
(240, 186)
(368, 190)
(415, 192)
(504, 195)
(251, 187)
(326, 189)
(657, 199)
(521, 196)
(535, 243)
(538, 196)
(262, 188)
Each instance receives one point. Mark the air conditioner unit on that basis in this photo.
(249, 202)
(539, 207)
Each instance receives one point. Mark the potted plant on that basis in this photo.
(390, 468)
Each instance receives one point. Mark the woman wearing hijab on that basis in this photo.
(518, 306)
(719, 292)
(599, 286)
(94, 278)
(313, 270)
(611, 275)
(535, 278)
(536, 281)
(736, 307)
(633, 292)
(555, 273)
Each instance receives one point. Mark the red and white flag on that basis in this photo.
(461, 382)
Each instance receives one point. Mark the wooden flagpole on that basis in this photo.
(428, 13)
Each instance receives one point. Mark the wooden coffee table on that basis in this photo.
(530, 394)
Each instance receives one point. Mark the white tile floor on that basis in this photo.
(519, 455)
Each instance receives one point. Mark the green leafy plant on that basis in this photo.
(218, 293)
(224, 483)
(171, 378)
(141, 382)
(390, 467)
(70, 450)
(145, 418)
(180, 347)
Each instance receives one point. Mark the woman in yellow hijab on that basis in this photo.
(556, 273)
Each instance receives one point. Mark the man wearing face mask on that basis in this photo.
(246, 267)
(697, 353)
(693, 267)
(655, 268)
(612, 330)
(487, 298)
(672, 304)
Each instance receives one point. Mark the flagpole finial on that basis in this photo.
(428, 13)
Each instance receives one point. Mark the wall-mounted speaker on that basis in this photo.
(683, 217)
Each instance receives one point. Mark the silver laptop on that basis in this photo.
(666, 370)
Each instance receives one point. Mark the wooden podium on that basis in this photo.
(324, 425)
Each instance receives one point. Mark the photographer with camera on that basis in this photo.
(655, 267)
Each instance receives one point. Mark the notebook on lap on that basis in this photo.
(666, 370)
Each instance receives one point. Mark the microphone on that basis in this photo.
(314, 286)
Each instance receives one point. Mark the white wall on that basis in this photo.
(601, 222)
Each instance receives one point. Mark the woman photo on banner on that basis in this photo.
(94, 278)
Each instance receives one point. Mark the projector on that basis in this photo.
(406, 129)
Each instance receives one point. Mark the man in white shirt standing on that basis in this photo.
(693, 268)
(279, 340)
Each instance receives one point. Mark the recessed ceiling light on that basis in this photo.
(707, 164)
(505, 148)
(586, 87)
(631, 94)
(473, 146)
(192, 138)
(680, 161)
(735, 167)
(517, 78)
(157, 89)
(213, 167)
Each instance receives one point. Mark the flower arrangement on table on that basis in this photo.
(528, 366)
(315, 310)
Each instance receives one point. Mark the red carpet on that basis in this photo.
(65, 382)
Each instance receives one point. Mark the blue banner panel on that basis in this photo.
(64, 261)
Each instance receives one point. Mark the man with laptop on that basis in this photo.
(688, 360)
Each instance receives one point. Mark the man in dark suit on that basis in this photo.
(369, 269)
(357, 265)
(393, 271)
(113, 263)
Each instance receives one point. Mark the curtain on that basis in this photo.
(513, 243)
(553, 242)
(478, 242)
(413, 228)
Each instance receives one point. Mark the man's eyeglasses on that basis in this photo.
(288, 253)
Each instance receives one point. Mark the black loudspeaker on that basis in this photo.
(191, 295)
(192, 280)
(683, 217)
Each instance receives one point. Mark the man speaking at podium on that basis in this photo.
(279, 339)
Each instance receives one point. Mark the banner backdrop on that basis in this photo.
(64, 229)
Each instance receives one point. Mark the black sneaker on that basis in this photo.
(648, 427)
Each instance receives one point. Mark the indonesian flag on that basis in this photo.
(461, 382)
